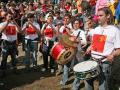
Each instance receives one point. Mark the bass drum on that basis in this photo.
(61, 54)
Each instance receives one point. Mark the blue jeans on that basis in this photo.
(103, 78)
(76, 82)
(66, 70)
(31, 48)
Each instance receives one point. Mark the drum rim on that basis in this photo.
(60, 54)
(68, 59)
(68, 45)
(53, 47)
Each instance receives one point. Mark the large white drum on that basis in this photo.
(86, 70)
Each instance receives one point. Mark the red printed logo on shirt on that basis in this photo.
(11, 30)
(48, 32)
(98, 43)
(30, 30)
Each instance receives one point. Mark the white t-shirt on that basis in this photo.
(82, 35)
(31, 35)
(10, 33)
(105, 39)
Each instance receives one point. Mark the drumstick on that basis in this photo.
(99, 55)
(103, 60)
(78, 34)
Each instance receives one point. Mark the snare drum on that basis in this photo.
(61, 54)
(86, 70)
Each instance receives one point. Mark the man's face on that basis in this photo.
(31, 19)
(76, 25)
(102, 18)
(89, 22)
(49, 19)
(66, 20)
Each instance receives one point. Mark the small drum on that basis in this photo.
(86, 70)
(65, 40)
(61, 54)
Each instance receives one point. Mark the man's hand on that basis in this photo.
(110, 57)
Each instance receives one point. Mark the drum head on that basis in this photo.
(66, 56)
(85, 66)
(67, 42)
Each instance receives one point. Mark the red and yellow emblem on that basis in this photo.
(98, 43)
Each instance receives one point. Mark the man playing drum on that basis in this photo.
(63, 30)
(76, 34)
(105, 44)
(82, 42)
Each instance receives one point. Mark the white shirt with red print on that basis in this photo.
(10, 33)
(104, 40)
(30, 32)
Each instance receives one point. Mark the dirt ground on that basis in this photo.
(37, 80)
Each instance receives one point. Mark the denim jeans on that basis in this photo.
(76, 82)
(66, 69)
(103, 78)
(31, 48)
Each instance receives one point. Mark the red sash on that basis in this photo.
(11, 30)
(30, 30)
(48, 32)
(98, 43)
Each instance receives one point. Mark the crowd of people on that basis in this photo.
(89, 27)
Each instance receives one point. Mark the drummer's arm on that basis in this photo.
(54, 29)
(37, 27)
(42, 30)
(69, 31)
(115, 53)
(88, 51)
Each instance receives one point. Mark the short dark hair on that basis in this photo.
(67, 15)
(30, 15)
